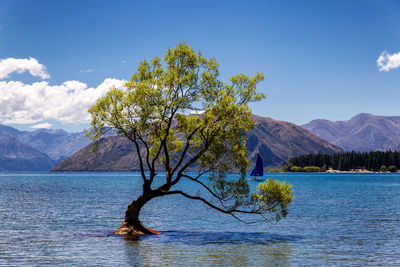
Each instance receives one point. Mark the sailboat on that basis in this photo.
(257, 172)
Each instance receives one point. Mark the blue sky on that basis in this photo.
(319, 58)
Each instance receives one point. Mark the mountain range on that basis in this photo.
(17, 156)
(47, 147)
(362, 133)
(276, 141)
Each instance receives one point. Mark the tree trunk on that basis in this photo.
(131, 226)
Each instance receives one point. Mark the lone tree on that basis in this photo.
(181, 117)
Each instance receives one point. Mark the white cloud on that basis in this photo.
(388, 61)
(38, 102)
(196, 112)
(87, 71)
(33, 103)
(10, 65)
(44, 125)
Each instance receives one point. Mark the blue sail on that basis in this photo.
(258, 167)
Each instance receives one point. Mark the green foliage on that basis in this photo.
(274, 170)
(157, 111)
(295, 169)
(311, 169)
(383, 168)
(288, 167)
(347, 161)
(273, 196)
(392, 168)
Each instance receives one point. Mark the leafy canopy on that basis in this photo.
(180, 115)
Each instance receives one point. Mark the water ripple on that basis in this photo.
(68, 219)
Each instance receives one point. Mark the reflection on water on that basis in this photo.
(210, 248)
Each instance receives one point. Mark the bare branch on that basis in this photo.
(202, 184)
(230, 212)
(136, 144)
(140, 157)
(147, 152)
(185, 149)
(163, 144)
(197, 198)
(221, 201)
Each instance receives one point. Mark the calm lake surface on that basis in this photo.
(68, 219)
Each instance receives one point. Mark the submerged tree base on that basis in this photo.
(132, 232)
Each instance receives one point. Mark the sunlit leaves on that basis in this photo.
(273, 196)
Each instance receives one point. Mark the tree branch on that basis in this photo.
(202, 184)
(147, 153)
(136, 144)
(197, 198)
(185, 150)
(140, 158)
(230, 212)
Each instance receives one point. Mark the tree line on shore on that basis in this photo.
(372, 161)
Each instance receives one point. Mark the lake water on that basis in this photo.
(68, 219)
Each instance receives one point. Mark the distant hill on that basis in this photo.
(8, 131)
(57, 144)
(364, 132)
(113, 153)
(16, 156)
(53, 146)
(276, 141)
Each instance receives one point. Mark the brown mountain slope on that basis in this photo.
(276, 141)
(113, 153)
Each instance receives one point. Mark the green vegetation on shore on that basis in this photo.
(292, 168)
(348, 161)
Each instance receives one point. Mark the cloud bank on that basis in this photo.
(10, 65)
(388, 61)
(38, 102)
(45, 125)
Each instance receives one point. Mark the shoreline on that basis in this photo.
(338, 171)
